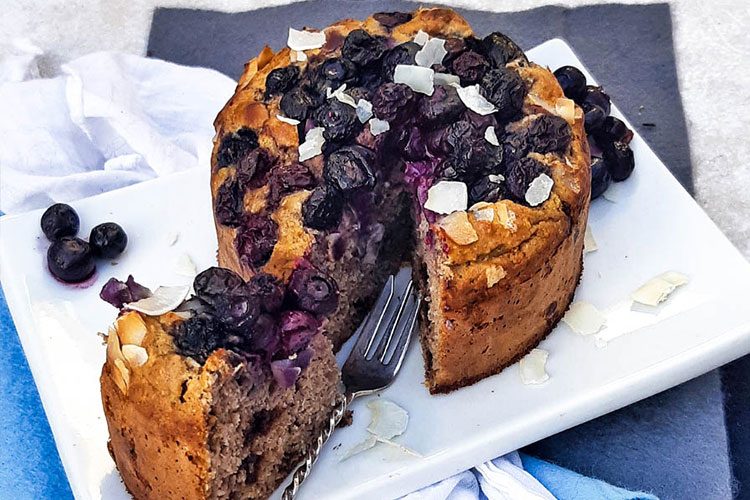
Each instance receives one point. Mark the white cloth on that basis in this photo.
(109, 120)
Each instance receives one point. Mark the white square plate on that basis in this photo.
(654, 226)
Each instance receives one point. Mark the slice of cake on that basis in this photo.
(405, 137)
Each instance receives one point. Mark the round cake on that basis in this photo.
(406, 138)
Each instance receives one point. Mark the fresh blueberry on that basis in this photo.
(593, 117)
(311, 290)
(339, 121)
(280, 80)
(71, 259)
(235, 145)
(619, 160)
(501, 50)
(613, 130)
(470, 67)
(600, 177)
(60, 220)
(256, 238)
(361, 48)
(322, 209)
(108, 240)
(595, 96)
(572, 81)
(505, 89)
(349, 169)
(392, 19)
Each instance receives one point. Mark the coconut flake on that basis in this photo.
(360, 447)
(656, 290)
(378, 126)
(172, 238)
(185, 266)
(458, 228)
(419, 79)
(305, 40)
(506, 216)
(290, 121)
(539, 190)
(496, 178)
(163, 300)
(532, 367)
(341, 96)
(313, 145)
(473, 100)
(421, 38)
(494, 274)
(589, 243)
(566, 109)
(446, 79)
(388, 419)
(135, 355)
(432, 52)
(490, 136)
(297, 56)
(364, 110)
(400, 449)
(584, 318)
(485, 214)
(446, 197)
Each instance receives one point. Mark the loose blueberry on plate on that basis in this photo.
(593, 117)
(612, 130)
(619, 160)
(108, 240)
(60, 220)
(572, 81)
(595, 96)
(600, 177)
(71, 259)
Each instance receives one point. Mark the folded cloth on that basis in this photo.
(110, 120)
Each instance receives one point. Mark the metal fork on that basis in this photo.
(375, 358)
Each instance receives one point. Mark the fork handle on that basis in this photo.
(312, 455)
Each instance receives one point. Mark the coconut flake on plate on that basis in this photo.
(539, 190)
(172, 238)
(656, 290)
(473, 100)
(458, 228)
(419, 79)
(421, 38)
(584, 318)
(447, 197)
(491, 137)
(163, 300)
(532, 367)
(290, 121)
(589, 243)
(360, 447)
(313, 145)
(378, 126)
(400, 450)
(305, 40)
(432, 52)
(185, 266)
(388, 419)
(364, 110)
(446, 79)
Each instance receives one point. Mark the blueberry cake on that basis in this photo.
(219, 398)
(407, 138)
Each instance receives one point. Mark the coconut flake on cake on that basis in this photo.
(364, 110)
(473, 100)
(447, 197)
(305, 40)
(539, 190)
(378, 126)
(432, 52)
(419, 79)
(313, 145)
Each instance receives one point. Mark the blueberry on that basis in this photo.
(322, 210)
(600, 178)
(595, 96)
(108, 240)
(470, 67)
(236, 311)
(391, 100)
(235, 145)
(336, 71)
(252, 169)
(441, 108)
(572, 81)
(296, 103)
(60, 220)
(455, 47)
(280, 80)
(400, 54)
(505, 89)
(265, 336)
(229, 203)
(392, 19)
(197, 337)
(472, 158)
(519, 175)
(312, 291)
(487, 188)
(297, 330)
(412, 144)
(349, 169)
(268, 289)
(288, 179)
(613, 130)
(593, 117)
(71, 259)
(500, 49)
(339, 121)
(216, 281)
(361, 48)
(255, 240)
(619, 160)
(544, 134)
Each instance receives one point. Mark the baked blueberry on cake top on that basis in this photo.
(405, 137)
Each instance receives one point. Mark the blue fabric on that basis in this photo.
(567, 485)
